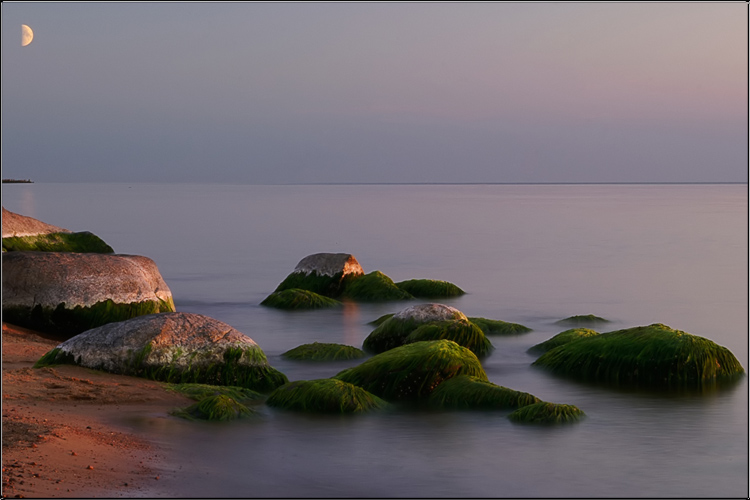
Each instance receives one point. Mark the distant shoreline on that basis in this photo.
(17, 181)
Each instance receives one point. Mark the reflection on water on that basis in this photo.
(635, 255)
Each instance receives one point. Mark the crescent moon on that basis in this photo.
(26, 35)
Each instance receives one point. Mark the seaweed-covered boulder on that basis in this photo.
(463, 332)
(202, 391)
(324, 396)
(546, 413)
(374, 287)
(654, 355)
(471, 393)
(430, 289)
(411, 372)
(217, 407)
(563, 338)
(497, 327)
(393, 331)
(22, 233)
(582, 320)
(318, 351)
(172, 347)
(323, 273)
(296, 298)
(68, 293)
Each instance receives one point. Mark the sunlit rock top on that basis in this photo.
(329, 264)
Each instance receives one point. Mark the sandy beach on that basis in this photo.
(59, 435)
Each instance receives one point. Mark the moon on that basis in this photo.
(26, 35)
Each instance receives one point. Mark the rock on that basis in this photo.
(645, 356)
(323, 273)
(68, 293)
(324, 396)
(411, 372)
(563, 338)
(430, 289)
(583, 319)
(21, 233)
(217, 407)
(374, 287)
(462, 332)
(546, 413)
(20, 225)
(172, 347)
(497, 327)
(296, 298)
(470, 393)
(318, 351)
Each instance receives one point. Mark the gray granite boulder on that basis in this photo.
(67, 293)
(172, 347)
(20, 225)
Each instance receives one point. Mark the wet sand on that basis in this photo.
(59, 436)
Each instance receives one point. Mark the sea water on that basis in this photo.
(529, 254)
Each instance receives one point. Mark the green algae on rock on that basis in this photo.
(462, 332)
(297, 298)
(83, 241)
(430, 289)
(563, 338)
(174, 348)
(318, 351)
(647, 356)
(583, 319)
(411, 372)
(374, 287)
(202, 391)
(324, 396)
(464, 392)
(218, 407)
(497, 327)
(379, 321)
(546, 413)
(326, 274)
(393, 331)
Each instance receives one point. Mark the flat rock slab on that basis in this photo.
(20, 225)
(329, 264)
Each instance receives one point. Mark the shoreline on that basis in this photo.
(59, 435)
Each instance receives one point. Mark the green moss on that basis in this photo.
(653, 355)
(413, 371)
(296, 298)
(80, 242)
(587, 319)
(464, 392)
(381, 320)
(563, 338)
(322, 284)
(430, 289)
(219, 407)
(71, 322)
(497, 327)
(546, 413)
(462, 332)
(391, 333)
(323, 352)
(202, 391)
(374, 287)
(324, 396)
(55, 357)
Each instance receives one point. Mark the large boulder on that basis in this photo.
(172, 347)
(644, 356)
(68, 293)
(323, 273)
(22, 233)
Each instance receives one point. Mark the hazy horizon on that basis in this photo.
(376, 93)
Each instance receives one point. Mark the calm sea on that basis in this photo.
(530, 254)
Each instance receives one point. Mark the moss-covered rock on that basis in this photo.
(218, 407)
(654, 355)
(324, 396)
(562, 338)
(172, 347)
(546, 413)
(471, 393)
(57, 242)
(379, 321)
(393, 331)
(463, 332)
(497, 327)
(411, 372)
(582, 320)
(297, 298)
(202, 391)
(318, 351)
(326, 274)
(374, 287)
(430, 289)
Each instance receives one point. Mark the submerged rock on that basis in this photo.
(584, 319)
(430, 289)
(497, 327)
(217, 407)
(324, 396)
(546, 413)
(411, 372)
(296, 298)
(654, 355)
(374, 287)
(471, 393)
(318, 351)
(172, 347)
(563, 338)
(68, 293)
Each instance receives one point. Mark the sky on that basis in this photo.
(287, 93)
